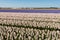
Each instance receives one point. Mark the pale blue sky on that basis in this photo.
(29, 3)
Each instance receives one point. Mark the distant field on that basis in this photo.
(51, 8)
(29, 26)
(31, 11)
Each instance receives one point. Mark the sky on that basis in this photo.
(29, 3)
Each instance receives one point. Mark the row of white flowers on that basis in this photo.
(32, 23)
(15, 33)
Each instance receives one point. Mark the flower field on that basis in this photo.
(29, 26)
